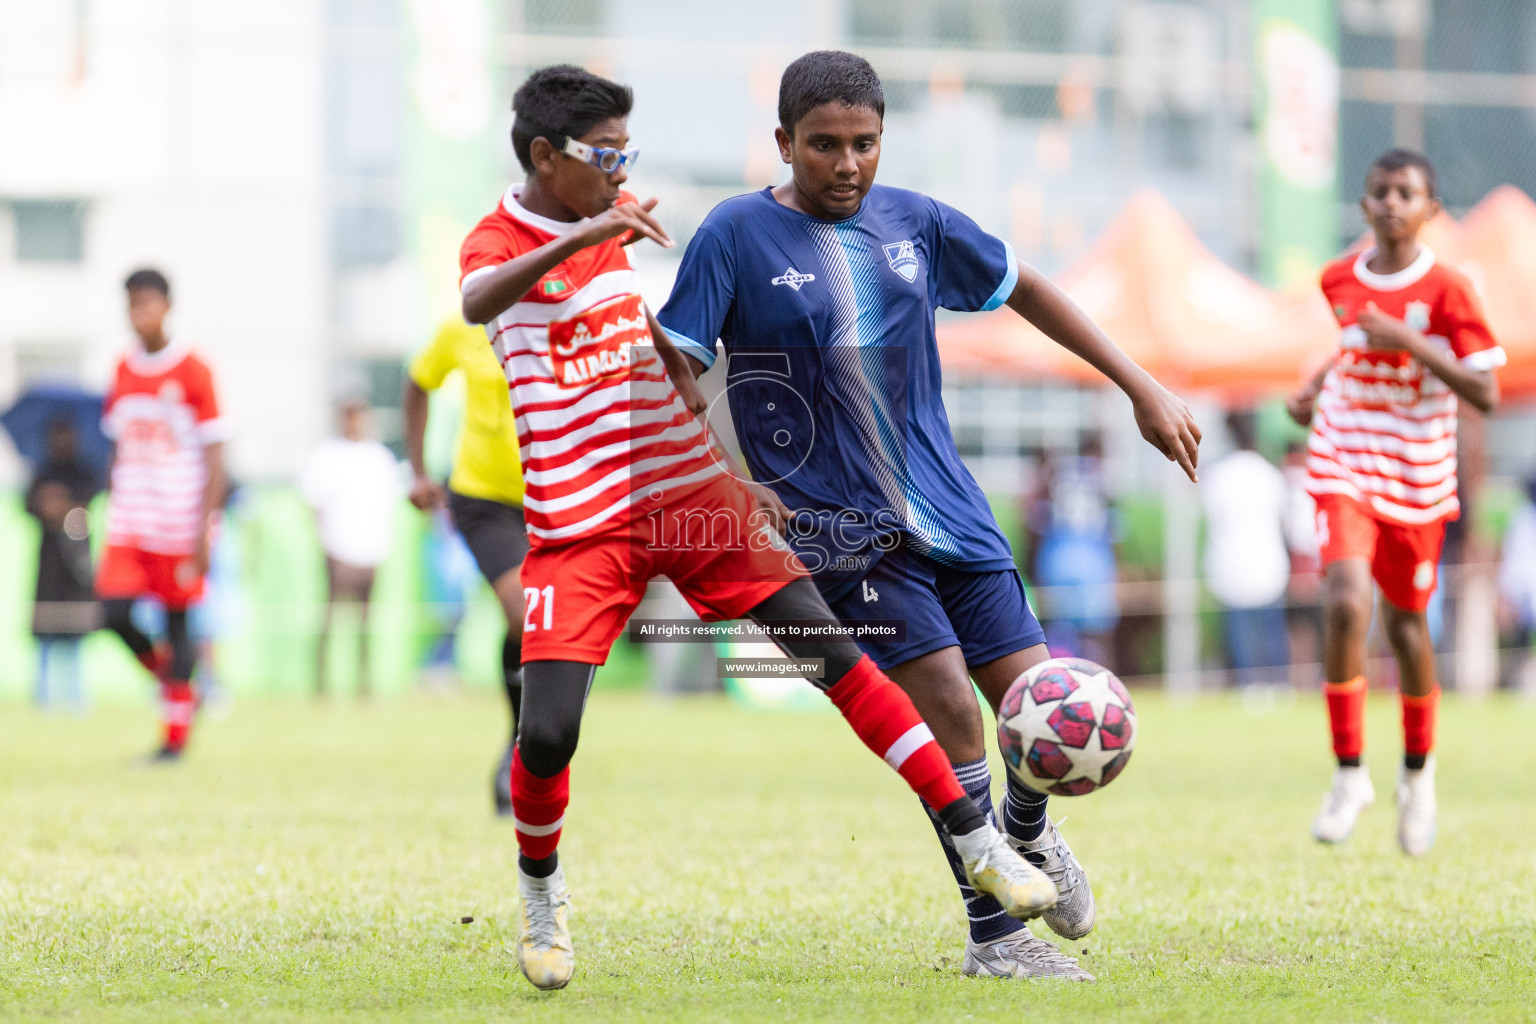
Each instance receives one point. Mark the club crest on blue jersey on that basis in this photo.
(794, 278)
(903, 258)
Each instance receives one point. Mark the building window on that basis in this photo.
(49, 230)
(53, 361)
(558, 16)
(1028, 25)
(364, 236)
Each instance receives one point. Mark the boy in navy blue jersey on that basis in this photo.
(823, 291)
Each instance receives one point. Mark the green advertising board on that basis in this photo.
(1296, 61)
(451, 171)
(452, 146)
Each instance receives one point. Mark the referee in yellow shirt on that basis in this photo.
(484, 493)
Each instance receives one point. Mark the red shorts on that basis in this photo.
(1404, 559)
(129, 572)
(723, 557)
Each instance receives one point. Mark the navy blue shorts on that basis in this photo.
(984, 613)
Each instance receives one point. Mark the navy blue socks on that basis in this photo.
(1024, 815)
(988, 920)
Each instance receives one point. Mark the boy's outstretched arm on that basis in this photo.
(681, 368)
(1164, 419)
(489, 295)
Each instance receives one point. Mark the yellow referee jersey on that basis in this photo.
(486, 463)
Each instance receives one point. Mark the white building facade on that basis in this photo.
(183, 135)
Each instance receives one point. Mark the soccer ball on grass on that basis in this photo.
(1067, 727)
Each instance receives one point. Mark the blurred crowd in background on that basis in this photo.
(292, 566)
(305, 169)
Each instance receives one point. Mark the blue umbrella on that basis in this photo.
(30, 419)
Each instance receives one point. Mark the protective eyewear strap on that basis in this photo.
(606, 160)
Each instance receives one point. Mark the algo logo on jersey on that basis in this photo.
(602, 342)
(793, 278)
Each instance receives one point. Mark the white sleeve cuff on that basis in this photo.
(1485, 358)
(1010, 281)
(481, 272)
(214, 431)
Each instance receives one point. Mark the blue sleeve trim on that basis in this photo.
(1010, 281)
(703, 353)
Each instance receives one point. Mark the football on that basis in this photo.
(1067, 727)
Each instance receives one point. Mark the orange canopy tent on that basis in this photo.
(1497, 250)
(1181, 313)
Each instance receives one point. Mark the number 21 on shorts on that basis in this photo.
(534, 598)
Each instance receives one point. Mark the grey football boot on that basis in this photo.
(1074, 913)
(1020, 955)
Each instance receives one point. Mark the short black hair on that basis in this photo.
(560, 102)
(828, 76)
(148, 278)
(1397, 159)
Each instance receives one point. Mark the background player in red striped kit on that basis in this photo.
(617, 467)
(166, 486)
(1382, 466)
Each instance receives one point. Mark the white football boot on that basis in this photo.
(1352, 793)
(1020, 955)
(992, 867)
(1074, 913)
(1416, 808)
(544, 941)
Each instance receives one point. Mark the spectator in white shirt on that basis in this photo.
(353, 483)
(1247, 566)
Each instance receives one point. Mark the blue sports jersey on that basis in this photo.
(834, 379)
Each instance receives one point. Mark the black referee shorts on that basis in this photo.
(494, 532)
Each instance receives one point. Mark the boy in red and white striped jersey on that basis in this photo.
(167, 483)
(1382, 467)
(624, 483)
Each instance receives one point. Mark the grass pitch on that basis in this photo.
(314, 864)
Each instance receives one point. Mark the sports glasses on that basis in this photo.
(601, 157)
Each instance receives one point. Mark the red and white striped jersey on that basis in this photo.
(1384, 429)
(161, 411)
(602, 432)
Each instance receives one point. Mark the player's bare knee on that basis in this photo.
(1406, 631)
(1348, 607)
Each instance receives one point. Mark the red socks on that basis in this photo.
(178, 705)
(1346, 716)
(878, 710)
(538, 808)
(1419, 723)
(884, 718)
(157, 660)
